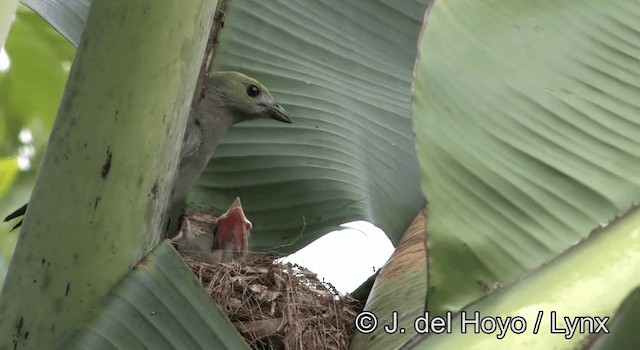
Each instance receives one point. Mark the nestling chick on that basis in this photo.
(233, 233)
(226, 240)
(196, 236)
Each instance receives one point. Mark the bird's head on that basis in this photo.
(246, 97)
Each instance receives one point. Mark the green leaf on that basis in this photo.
(158, 305)
(623, 327)
(67, 17)
(8, 172)
(32, 87)
(345, 78)
(103, 185)
(526, 116)
(587, 282)
(398, 295)
(30, 93)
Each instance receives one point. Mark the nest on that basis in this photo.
(279, 306)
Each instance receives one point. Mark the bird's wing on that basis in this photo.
(192, 143)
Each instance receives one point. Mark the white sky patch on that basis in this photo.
(27, 151)
(25, 136)
(25, 154)
(24, 163)
(5, 62)
(348, 257)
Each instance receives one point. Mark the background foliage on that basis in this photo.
(30, 92)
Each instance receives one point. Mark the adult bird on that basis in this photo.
(229, 98)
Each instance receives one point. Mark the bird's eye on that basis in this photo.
(253, 90)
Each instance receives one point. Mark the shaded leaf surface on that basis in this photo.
(67, 17)
(527, 123)
(158, 305)
(349, 155)
(580, 288)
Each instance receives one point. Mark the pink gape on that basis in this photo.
(234, 230)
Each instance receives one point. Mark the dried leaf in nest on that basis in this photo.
(279, 306)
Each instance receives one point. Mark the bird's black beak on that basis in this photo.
(278, 113)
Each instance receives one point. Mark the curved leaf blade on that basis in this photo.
(582, 286)
(67, 17)
(94, 139)
(527, 128)
(623, 327)
(349, 154)
(398, 295)
(158, 305)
